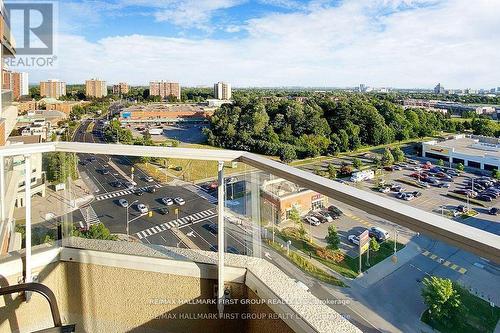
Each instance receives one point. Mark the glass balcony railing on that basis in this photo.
(361, 253)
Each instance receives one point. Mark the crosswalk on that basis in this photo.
(89, 216)
(198, 190)
(111, 195)
(197, 217)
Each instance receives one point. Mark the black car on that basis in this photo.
(212, 227)
(105, 171)
(484, 198)
(162, 210)
(335, 210)
(116, 184)
(139, 192)
(493, 211)
(151, 189)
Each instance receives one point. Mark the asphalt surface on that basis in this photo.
(196, 219)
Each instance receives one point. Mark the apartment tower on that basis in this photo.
(52, 88)
(120, 88)
(222, 90)
(17, 82)
(96, 88)
(165, 89)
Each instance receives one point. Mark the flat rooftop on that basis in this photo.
(472, 146)
(158, 107)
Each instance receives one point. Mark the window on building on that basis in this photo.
(473, 164)
(490, 167)
(436, 156)
(458, 160)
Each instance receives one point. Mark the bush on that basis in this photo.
(333, 255)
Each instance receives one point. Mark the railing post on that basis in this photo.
(2, 189)
(27, 207)
(220, 239)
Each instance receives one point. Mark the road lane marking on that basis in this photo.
(444, 262)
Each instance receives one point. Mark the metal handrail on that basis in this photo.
(40, 289)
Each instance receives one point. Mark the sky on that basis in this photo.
(309, 43)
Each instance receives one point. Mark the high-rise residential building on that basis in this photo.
(362, 87)
(17, 82)
(222, 90)
(96, 88)
(165, 89)
(52, 88)
(439, 89)
(120, 88)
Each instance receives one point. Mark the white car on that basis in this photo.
(398, 168)
(149, 179)
(142, 208)
(123, 203)
(408, 197)
(312, 220)
(353, 239)
(179, 201)
(384, 189)
(167, 201)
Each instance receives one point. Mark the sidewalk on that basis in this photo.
(386, 267)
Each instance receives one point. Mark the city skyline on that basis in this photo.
(270, 43)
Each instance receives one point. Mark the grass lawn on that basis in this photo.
(348, 267)
(477, 316)
(306, 266)
(193, 170)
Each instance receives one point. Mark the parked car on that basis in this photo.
(397, 167)
(416, 194)
(142, 208)
(379, 233)
(148, 179)
(353, 239)
(167, 201)
(319, 217)
(462, 209)
(384, 189)
(179, 201)
(162, 210)
(444, 185)
(311, 220)
(326, 215)
(483, 197)
(123, 203)
(334, 210)
(493, 211)
(151, 189)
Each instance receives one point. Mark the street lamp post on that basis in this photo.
(127, 215)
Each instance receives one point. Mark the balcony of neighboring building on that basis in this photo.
(219, 256)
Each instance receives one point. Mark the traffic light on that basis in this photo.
(150, 213)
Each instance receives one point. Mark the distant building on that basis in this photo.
(17, 82)
(164, 89)
(52, 88)
(215, 103)
(96, 88)
(49, 104)
(362, 87)
(478, 152)
(439, 89)
(222, 90)
(121, 88)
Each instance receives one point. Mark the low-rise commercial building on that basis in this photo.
(162, 113)
(280, 197)
(49, 104)
(472, 151)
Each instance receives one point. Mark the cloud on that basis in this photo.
(399, 43)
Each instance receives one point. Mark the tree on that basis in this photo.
(387, 158)
(440, 162)
(442, 300)
(95, 231)
(332, 238)
(398, 154)
(294, 215)
(374, 245)
(460, 167)
(495, 174)
(356, 163)
(332, 171)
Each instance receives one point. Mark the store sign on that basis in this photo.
(364, 242)
(316, 197)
